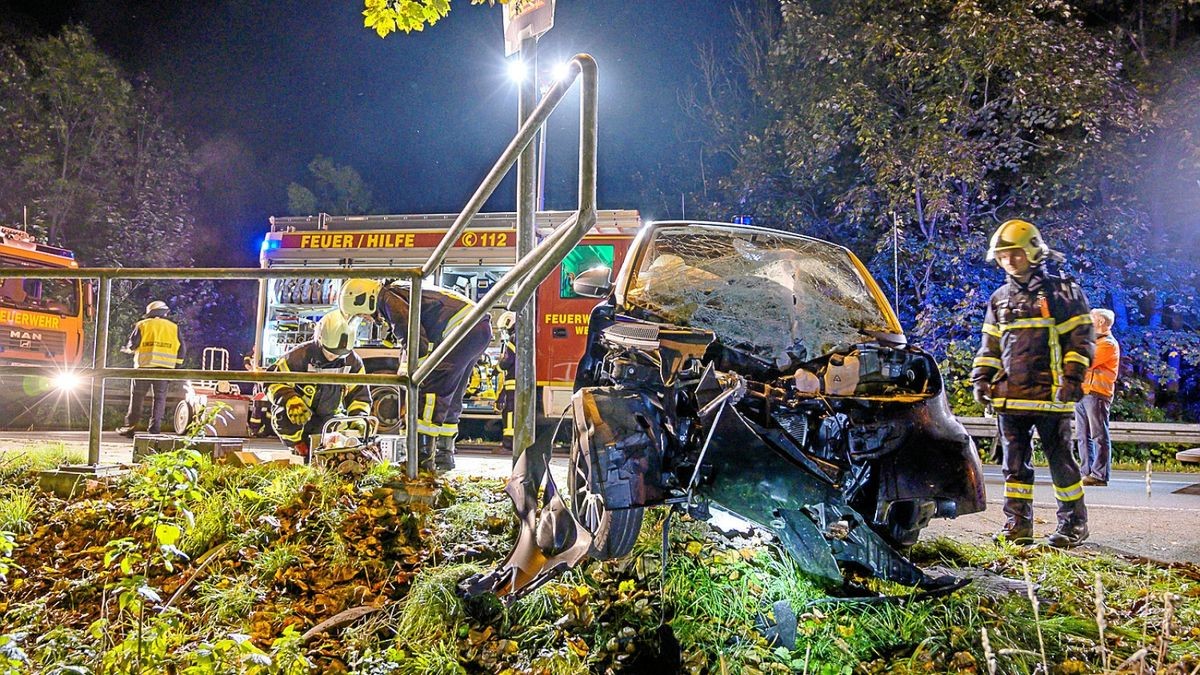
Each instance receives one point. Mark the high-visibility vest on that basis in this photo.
(1101, 377)
(159, 347)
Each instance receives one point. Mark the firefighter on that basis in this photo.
(301, 410)
(441, 395)
(506, 399)
(1037, 344)
(154, 343)
(482, 382)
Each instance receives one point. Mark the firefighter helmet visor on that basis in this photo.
(1014, 234)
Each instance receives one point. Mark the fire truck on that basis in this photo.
(289, 308)
(41, 320)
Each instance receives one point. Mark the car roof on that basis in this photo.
(735, 227)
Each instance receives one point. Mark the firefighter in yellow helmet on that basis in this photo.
(441, 395)
(155, 344)
(301, 410)
(1036, 347)
(506, 400)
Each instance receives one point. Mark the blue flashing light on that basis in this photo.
(743, 220)
(269, 245)
(54, 250)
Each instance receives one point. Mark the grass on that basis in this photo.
(225, 599)
(275, 560)
(295, 558)
(21, 463)
(18, 506)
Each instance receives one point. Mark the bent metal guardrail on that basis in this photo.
(1120, 431)
(529, 272)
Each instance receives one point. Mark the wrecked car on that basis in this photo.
(739, 370)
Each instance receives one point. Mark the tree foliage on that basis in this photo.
(91, 161)
(388, 16)
(336, 190)
(928, 123)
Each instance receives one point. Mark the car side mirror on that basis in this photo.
(593, 283)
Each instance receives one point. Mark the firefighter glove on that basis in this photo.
(297, 412)
(1071, 390)
(983, 393)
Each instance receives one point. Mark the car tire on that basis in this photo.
(904, 524)
(614, 532)
(385, 405)
(184, 415)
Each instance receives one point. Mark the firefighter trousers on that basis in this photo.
(507, 403)
(1016, 435)
(137, 397)
(442, 393)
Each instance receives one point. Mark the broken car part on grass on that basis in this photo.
(753, 371)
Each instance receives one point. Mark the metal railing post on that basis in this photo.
(99, 363)
(412, 395)
(525, 404)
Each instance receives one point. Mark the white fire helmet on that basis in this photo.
(359, 297)
(336, 334)
(506, 321)
(157, 306)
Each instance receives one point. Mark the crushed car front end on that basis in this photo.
(763, 374)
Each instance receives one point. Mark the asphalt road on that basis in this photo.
(1159, 523)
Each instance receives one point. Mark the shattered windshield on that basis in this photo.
(780, 297)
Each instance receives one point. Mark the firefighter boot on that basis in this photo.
(425, 452)
(1018, 529)
(443, 458)
(1072, 531)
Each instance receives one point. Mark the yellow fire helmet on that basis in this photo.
(1019, 234)
(359, 296)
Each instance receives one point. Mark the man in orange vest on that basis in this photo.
(154, 343)
(1091, 412)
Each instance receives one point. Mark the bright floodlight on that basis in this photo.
(560, 71)
(66, 381)
(517, 70)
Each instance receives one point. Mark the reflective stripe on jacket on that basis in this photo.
(159, 345)
(1036, 336)
(1101, 378)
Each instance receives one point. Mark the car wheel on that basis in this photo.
(183, 417)
(904, 523)
(613, 532)
(385, 406)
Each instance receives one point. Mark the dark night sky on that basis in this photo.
(264, 86)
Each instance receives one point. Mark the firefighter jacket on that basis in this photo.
(1101, 378)
(507, 365)
(155, 343)
(441, 310)
(482, 383)
(1037, 337)
(322, 399)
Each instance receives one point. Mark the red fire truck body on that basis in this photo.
(487, 250)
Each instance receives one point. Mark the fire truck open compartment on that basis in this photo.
(288, 309)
